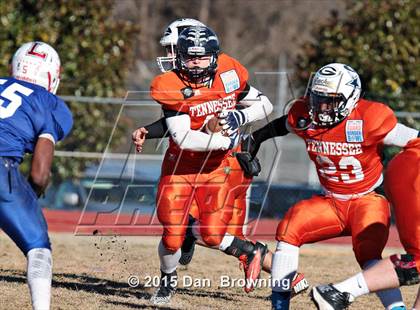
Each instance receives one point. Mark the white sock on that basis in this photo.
(355, 285)
(168, 259)
(390, 298)
(39, 276)
(226, 242)
(284, 266)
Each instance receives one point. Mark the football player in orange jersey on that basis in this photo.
(239, 180)
(240, 183)
(159, 129)
(344, 135)
(195, 166)
(402, 186)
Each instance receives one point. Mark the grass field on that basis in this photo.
(92, 273)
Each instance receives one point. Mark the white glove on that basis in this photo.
(232, 120)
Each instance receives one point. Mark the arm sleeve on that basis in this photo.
(157, 129)
(244, 92)
(400, 135)
(252, 143)
(181, 133)
(257, 106)
(275, 128)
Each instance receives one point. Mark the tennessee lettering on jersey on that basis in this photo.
(201, 103)
(333, 148)
(168, 89)
(213, 106)
(347, 156)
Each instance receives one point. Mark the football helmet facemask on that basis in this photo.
(334, 93)
(195, 42)
(37, 63)
(169, 40)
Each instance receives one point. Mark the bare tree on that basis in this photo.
(254, 32)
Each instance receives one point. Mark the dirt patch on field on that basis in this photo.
(92, 273)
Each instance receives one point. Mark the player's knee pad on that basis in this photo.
(288, 234)
(406, 269)
(236, 231)
(212, 240)
(39, 263)
(172, 243)
(212, 234)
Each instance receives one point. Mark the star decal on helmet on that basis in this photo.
(354, 83)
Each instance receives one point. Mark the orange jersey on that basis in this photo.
(347, 156)
(201, 103)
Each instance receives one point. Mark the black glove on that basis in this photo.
(250, 146)
(250, 165)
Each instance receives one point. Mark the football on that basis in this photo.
(213, 126)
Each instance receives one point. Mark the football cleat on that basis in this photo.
(327, 297)
(299, 284)
(167, 287)
(252, 265)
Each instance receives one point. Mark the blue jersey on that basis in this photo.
(28, 111)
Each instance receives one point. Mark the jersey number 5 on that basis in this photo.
(328, 169)
(15, 99)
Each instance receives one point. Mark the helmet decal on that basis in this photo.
(37, 63)
(169, 40)
(193, 42)
(33, 51)
(328, 70)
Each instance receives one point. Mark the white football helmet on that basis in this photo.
(334, 92)
(169, 39)
(37, 63)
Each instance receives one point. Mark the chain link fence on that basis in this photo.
(287, 173)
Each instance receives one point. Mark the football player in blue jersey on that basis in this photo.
(32, 120)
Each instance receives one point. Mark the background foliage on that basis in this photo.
(96, 54)
(380, 40)
(103, 52)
